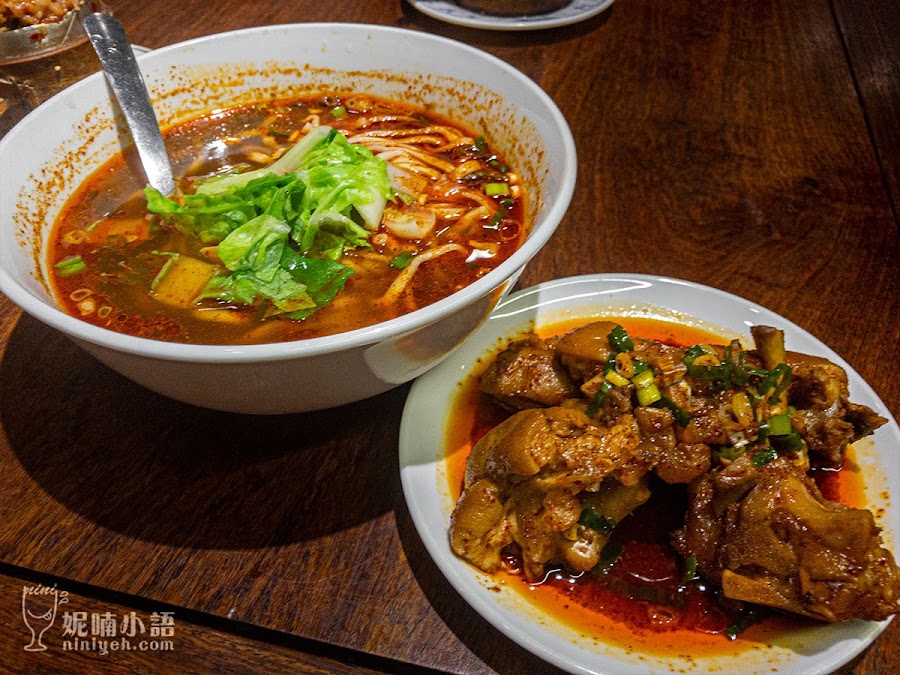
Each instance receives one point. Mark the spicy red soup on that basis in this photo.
(292, 219)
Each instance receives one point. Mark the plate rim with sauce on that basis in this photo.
(817, 649)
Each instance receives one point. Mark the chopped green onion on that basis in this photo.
(690, 569)
(338, 112)
(480, 144)
(70, 266)
(609, 554)
(610, 364)
(778, 379)
(791, 441)
(616, 379)
(763, 430)
(755, 398)
(502, 168)
(505, 206)
(746, 619)
(643, 380)
(730, 452)
(596, 521)
(780, 425)
(682, 417)
(619, 340)
(648, 395)
(401, 260)
(165, 268)
(639, 366)
(764, 457)
(277, 133)
(696, 351)
(595, 403)
(496, 189)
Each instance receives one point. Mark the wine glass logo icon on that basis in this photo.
(39, 605)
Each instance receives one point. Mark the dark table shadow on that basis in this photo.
(148, 467)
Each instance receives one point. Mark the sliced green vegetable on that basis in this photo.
(609, 555)
(648, 395)
(777, 380)
(643, 379)
(682, 417)
(732, 371)
(70, 266)
(500, 214)
(639, 366)
(613, 377)
(729, 452)
(281, 230)
(401, 260)
(610, 365)
(256, 245)
(323, 279)
(164, 270)
(497, 164)
(695, 351)
(780, 425)
(690, 569)
(747, 618)
(619, 340)
(597, 401)
(791, 441)
(591, 518)
(764, 457)
(496, 189)
(289, 162)
(338, 112)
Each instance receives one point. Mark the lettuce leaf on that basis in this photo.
(281, 230)
(256, 245)
(323, 279)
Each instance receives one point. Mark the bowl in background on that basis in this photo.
(44, 39)
(60, 144)
(514, 7)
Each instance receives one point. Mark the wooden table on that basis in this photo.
(749, 146)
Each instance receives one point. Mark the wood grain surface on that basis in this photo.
(747, 146)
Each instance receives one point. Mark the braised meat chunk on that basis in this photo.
(527, 375)
(527, 481)
(603, 420)
(769, 537)
(825, 417)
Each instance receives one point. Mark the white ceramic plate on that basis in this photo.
(578, 10)
(817, 649)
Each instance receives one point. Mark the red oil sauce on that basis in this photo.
(677, 620)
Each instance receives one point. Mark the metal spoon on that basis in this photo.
(114, 50)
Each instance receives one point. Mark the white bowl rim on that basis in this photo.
(206, 353)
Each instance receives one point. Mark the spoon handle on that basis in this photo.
(114, 50)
